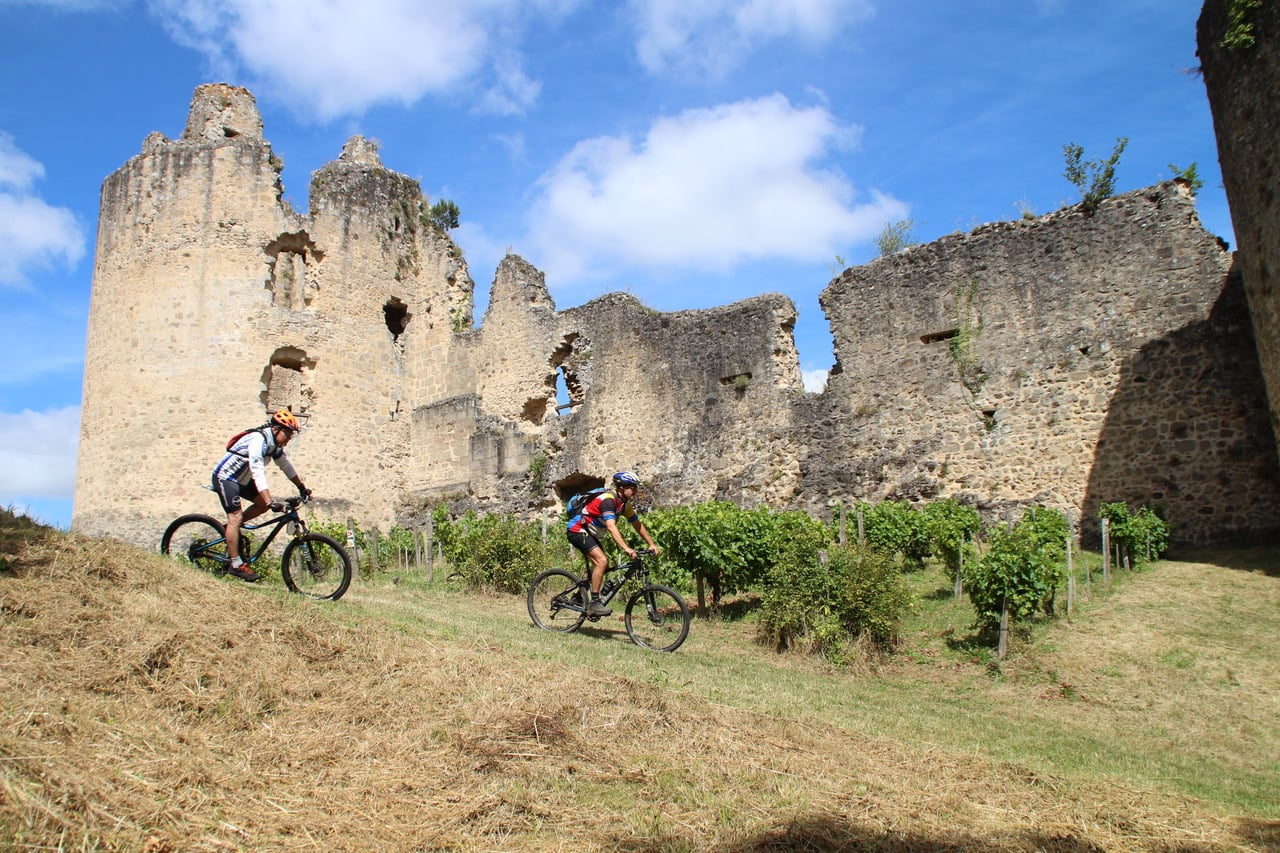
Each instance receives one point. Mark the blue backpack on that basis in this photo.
(578, 501)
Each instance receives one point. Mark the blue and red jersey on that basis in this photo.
(598, 510)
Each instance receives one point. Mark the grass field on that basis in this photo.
(146, 706)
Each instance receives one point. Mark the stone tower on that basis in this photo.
(215, 303)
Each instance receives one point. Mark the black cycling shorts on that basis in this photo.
(584, 541)
(230, 492)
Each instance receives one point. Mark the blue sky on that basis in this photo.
(692, 152)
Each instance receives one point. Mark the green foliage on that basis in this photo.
(895, 237)
(492, 552)
(1094, 178)
(856, 595)
(963, 346)
(1240, 34)
(537, 470)
(1194, 182)
(443, 215)
(895, 527)
(950, 527)
(1022, 567)
(732, 548)
(1143, 535)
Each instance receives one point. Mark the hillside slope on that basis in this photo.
(144, 706)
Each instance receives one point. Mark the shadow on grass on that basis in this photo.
(827, 834)
(1260, 558)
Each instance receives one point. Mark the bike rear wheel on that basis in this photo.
(317, 566)
(657, 618)
(199, 539)
(555, 602)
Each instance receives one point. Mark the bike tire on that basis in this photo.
(550, 601)
(315, 565)
(188, 537)
(657, 618)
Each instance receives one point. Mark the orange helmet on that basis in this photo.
(286, 419)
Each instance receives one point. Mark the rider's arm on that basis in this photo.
(612, 526)
(289, 471)
(644, 533)
(255, 450)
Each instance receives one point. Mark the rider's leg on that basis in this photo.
(235, 518)
(599, 563)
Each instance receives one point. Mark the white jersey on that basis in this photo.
(247, 459)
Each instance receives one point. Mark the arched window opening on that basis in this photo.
(397, 316)
(293, 264)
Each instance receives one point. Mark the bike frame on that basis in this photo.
(631, 569)
(290, 514)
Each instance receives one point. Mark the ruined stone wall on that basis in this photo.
(1067, 360)
(214, 303)
(1241, 84)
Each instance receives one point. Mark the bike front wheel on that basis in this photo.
(657, 618)
(199, 539)
(317, 566)
(555, 601)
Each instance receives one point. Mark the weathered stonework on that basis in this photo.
(1066, 360)
(1241, 84)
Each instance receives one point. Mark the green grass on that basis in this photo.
(1164, 679)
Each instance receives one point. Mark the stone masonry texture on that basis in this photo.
(1066, 361)
(1242, 84)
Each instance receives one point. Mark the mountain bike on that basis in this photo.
(656, 616)
(312, 564)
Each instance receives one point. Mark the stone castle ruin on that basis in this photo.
(1066, 360)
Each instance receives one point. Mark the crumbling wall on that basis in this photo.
(214, 303)
(1241, 83)
(1066, 360)
(1049, 361)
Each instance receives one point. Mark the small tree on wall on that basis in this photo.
(1096, 179)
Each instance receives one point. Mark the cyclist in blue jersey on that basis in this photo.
(242, 473)
(601, 514)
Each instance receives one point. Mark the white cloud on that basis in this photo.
(705, 190)
(38, 454)
(330, 58)
(33, 233)
(714, 36)
(815, 381)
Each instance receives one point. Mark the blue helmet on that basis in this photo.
(626, 478)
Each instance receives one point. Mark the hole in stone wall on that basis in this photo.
(398, 317)
(292, 267)
(562, 391)
(568, 389)
(934, 337)
(284, 382)
(576, 483)
(535, 409)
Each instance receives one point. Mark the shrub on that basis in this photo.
(950, 527)
(856, 598)
(895, 236)
(1094, 178)
(1142, 535)
(895, 527)
(492, 552)
(730, 547)
(1022, 568)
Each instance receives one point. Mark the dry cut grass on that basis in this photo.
(146, 706)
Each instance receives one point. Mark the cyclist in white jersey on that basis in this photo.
(242, 473)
